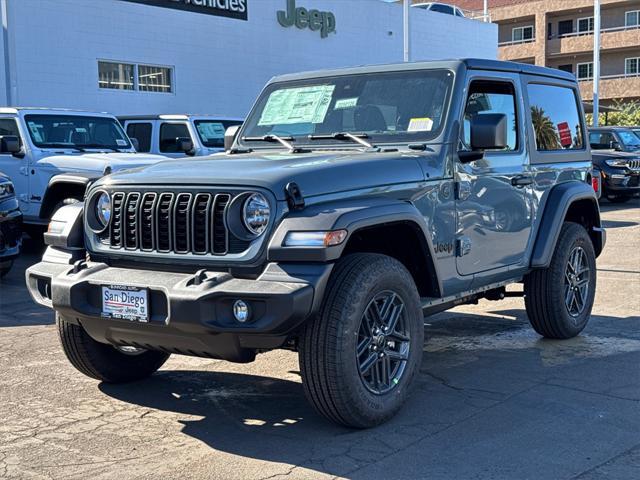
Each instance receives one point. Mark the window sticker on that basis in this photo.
(345, 103)
(297, 105)
(120, 142)
(81, 130)
(424, 124)
(35, 131)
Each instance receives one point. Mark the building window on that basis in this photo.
(154, 79)
(117, 76)
(128, 76)
(585, 25)
(632, 18)
(566, 68)
(565, 27)
(522, 34)
(632, 66)
(585, 71)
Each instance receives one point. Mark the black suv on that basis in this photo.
(10, 225)
(349, 205)
(616, 155)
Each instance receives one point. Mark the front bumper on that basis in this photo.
(187, 315)
(10, 231)
(621, 182)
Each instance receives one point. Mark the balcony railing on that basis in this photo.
(516, 42)
(611, 77)
(590, 32)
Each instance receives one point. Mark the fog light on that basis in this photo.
(241, 311)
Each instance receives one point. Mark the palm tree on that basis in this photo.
(546, 136)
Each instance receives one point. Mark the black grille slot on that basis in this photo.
(181, 222)
(130, 227)
(147, 220)
(115, 236)
(220, 234)
(173, 222)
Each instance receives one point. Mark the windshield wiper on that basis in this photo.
(356, 137)
(284, 141)
(60, 145)
(98, 146)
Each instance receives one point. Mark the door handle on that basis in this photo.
(521, 180)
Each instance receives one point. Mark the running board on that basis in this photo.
(431, 305)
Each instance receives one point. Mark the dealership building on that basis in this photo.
(205, 56)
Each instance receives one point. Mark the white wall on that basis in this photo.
(220, 64)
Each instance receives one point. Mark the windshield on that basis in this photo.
(211, 132)
(629, 139)
(394, 107)
(75, 131)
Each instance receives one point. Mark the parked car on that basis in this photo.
(10, 225)
(178, 135)
(53, 154)
(618, 139)
(620, 174)
(349, 204)
(440, 8)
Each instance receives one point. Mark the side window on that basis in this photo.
(141, 132)
(169, 132)
(491, 97)
(437, 7)
(9, 127)
(555, 117)
(601, 140)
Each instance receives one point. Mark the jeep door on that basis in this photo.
(493, 194)
(16, 168)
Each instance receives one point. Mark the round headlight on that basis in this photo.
(103, 209)
(256, 213)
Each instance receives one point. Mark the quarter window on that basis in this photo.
(585, 71)
(555, 117)
(169, 134)
(522, 34)
(492, 97)
(632, 66)
(632, 18)
(142, 133)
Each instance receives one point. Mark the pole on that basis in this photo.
(596, 61)
(485, 10)
(405, 23)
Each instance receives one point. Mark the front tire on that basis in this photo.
(105, 362)
(359, 356)
(559, 298)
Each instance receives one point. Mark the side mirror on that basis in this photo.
(489, 131)
(230, 135)
(185, 144)
(135, 143)
(9, 144)
(615, 146)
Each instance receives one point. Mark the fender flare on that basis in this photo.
(352, 216)
(82, 180)
(559, 200)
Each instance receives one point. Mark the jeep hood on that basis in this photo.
(97, 162)
(315, 173)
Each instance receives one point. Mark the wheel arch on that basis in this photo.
(61, 187)
(567, 202)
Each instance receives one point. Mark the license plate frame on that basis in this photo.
(125, 302)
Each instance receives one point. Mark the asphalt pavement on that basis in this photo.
(493, 400)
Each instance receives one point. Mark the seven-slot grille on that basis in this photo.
(170, 222)
(634, 164)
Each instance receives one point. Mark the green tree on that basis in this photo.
(546, 136)
(626, 114)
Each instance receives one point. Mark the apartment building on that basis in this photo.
(559, 34)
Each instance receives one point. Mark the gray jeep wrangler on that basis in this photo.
(349, 205)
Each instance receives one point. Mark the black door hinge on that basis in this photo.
(294, 196)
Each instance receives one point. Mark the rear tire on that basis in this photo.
(359, 356)
(559, 298)
(104, 362)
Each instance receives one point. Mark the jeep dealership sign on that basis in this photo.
(314, 20)
(221, 8)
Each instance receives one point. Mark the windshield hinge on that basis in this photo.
(294, 196)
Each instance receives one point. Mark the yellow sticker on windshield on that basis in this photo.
(424, 124)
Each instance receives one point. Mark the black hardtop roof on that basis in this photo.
(469, 63)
